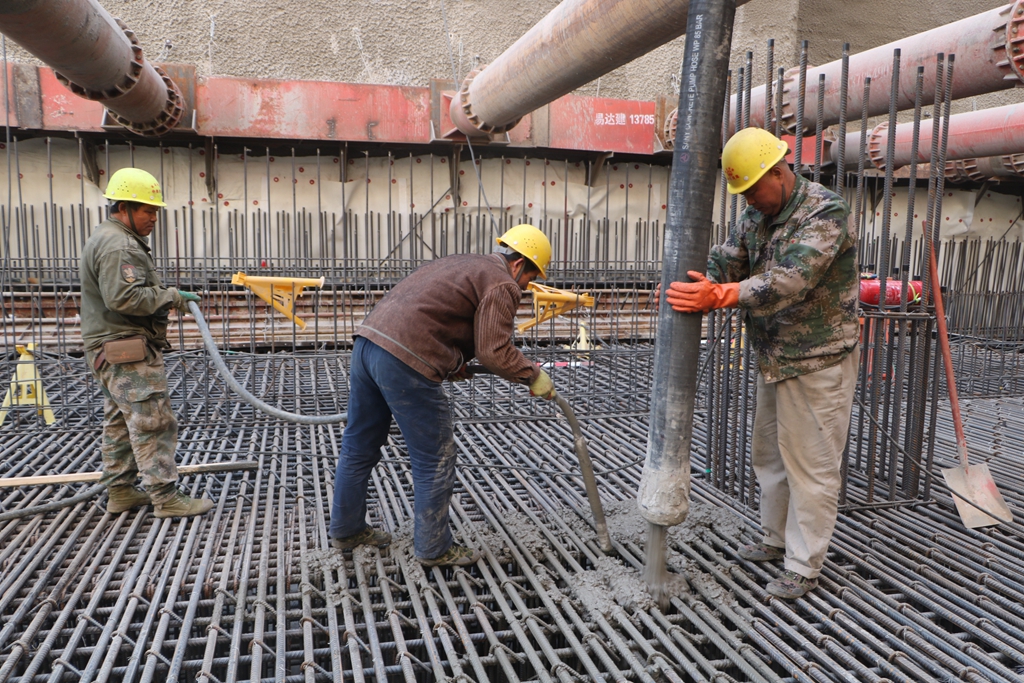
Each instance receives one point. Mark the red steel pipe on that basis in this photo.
(989, 132)
(577, 42)
(97, 57)
(989, 49)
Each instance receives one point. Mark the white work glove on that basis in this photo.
(543, 387)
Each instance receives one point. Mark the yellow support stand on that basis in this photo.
(549, 302)
(26, 387)
(279, 292)
(582, 342)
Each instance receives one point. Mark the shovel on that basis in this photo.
(977, 499)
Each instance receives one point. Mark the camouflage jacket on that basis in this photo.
(122, 295)
(798, 281)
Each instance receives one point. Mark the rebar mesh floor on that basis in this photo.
(251, 591)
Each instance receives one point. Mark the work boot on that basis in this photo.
(368, 536)
(761, 552)
(457, 555)
(180, 505)
(124, 497)
(791, 586)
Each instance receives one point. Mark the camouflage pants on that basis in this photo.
(140, 432)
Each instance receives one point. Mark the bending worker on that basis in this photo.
(421, 333)
(790, 265)
(124, 328)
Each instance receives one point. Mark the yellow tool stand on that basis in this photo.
(549, 302)
(26, 387)
(279, 292)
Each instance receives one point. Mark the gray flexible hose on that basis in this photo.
(587, 468)
(222, 367)
(586, 465)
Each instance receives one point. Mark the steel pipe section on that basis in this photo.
(577, 42)
(663, 496)
(989, 49)
(996, 132)
(97, 57)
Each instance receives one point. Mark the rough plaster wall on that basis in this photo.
(403, 43)
(385, 41)
(374, 41)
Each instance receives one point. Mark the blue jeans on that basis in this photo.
(380, 386)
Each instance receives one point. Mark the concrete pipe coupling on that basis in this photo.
(989, 49)
(577, 42)
(97, 57)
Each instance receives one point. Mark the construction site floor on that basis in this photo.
(251, 591)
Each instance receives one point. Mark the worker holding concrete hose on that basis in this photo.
(124, 328)
(423, 332)
(790, 265)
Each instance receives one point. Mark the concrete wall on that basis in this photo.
(404, 43)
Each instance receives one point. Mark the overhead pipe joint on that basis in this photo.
(576, 43)
(989, 49)
(995, 132)
(98, 58)
(467, 120)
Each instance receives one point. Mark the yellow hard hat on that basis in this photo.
(748, 155)
(528, 241)
(134, 185)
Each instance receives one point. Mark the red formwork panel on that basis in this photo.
(601, 124)
(63, 110)
(312, 110)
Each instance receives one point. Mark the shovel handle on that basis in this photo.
(947, 356)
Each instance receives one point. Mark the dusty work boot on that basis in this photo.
(457, 555)
(121, 498)
(761, 552)
(368, 536)
(791, 586)
(180, 505)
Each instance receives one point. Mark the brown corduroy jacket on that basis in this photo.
(448, 312)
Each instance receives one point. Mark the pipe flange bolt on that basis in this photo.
(466, 108)
(1014, 162)
(970, 168)
(1015, 39)
(877, 139)
(790, 93)
(955, 172)
(671, 125)
(174, 106)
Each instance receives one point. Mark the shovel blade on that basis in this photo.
(974, 483)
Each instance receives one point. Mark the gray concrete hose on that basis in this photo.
(222, 367)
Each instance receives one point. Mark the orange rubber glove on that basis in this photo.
(701, 295)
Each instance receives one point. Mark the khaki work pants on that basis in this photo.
(800, 432)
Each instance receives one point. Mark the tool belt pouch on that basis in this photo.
(127, 350)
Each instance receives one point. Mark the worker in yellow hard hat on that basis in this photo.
(124, 319)
(422, 333)
(790, 266)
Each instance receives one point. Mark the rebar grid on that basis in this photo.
(248, 592)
